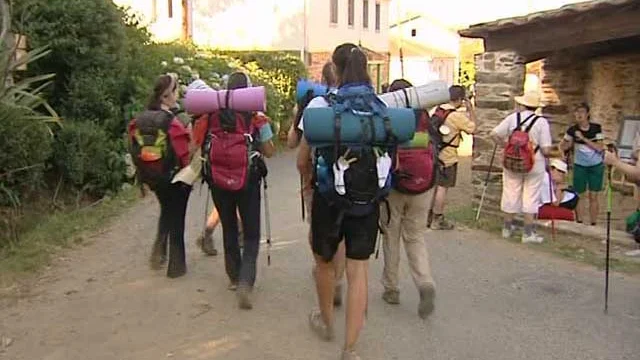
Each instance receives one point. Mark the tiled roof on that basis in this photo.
(481, 30)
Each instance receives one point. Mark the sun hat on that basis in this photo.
(558, 165)
(530, 99)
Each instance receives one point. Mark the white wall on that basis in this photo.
(324, 36)
(249, 24)
(163, 28)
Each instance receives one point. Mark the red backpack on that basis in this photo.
(519, 153)
(416, 166)
(227, 147)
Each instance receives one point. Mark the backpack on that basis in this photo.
(632, 223)
(519, 152)
(363, 187)
(436, 121)
(228, 149)
(416, 166)
(151, 149)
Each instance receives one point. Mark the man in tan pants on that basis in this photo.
(403, 218)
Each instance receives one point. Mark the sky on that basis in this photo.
(462, 13)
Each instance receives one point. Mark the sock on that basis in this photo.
(528, 230)
(508, 224)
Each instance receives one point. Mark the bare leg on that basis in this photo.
(325, 285)
(358, 279)
(339, 264)
(441, 194)
(580, 208)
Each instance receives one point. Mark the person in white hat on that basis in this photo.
(521, 192)
(557, 201)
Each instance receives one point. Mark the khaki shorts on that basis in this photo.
(448, 175)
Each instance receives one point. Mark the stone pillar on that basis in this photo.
(499, 77)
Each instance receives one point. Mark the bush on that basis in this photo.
(24, 150)
(89, 159)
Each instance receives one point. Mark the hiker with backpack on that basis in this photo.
(349, 183)
(293, 140)
(527, 142)
(585, 138)
(404, 213)
(453, 124)
(159, 146)
(234, 147)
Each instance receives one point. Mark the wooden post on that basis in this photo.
(185, 20)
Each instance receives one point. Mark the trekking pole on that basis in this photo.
(267, 220)
(486, 181)
(612, 148)
(302, 197)
(553, 221)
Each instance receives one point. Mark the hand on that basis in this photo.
(610, 157)
(579, 135)
(467, 104)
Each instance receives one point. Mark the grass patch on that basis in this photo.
(567, 245)
(57, 231)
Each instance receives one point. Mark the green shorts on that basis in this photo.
(589, 178)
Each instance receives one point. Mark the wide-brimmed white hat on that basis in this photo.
(558, 165)
(530, 99)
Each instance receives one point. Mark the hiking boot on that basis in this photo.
(205, 243)
(391, 297)
(350, 355)
(244, 297)
(426, 305)
(319, 327)
(158, 254)
(507, 233)
(337, 295)
(440, 223)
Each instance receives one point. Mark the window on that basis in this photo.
(351, 12)
(334, 12)
(170, 8)
(365, 14)
(377, 16)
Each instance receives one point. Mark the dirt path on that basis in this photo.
(495, 301)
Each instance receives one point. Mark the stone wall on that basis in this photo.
(614, 90)
(499, 77)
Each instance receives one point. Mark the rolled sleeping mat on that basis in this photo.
(319, 127)
(203, 101)
(419, 97)
(305, 85)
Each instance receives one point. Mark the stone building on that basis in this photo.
(588, 51)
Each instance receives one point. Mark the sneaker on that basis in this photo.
(232, 286)
(507, 233)
(426, 305)
(337, 295)
(158, 255)
(350, 355)
(205, 243)
(391, 297)
(319, 327)
(440, 223)
(533, 239)
(244, 297)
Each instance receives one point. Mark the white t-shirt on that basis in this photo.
(540, 134)
(545, 192)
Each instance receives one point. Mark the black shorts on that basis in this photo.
(359, 233)
(448, 175)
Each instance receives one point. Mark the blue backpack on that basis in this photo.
(363, 187)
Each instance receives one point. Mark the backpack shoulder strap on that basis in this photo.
(533, 122)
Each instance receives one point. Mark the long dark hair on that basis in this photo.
(351, 64)
(237, 80)
(163, 83)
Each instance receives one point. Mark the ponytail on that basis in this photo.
(351, 64)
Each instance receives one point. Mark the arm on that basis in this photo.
(612, 159)
(293, 139)
(303, 164)
(471, 111)
(267, 148)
